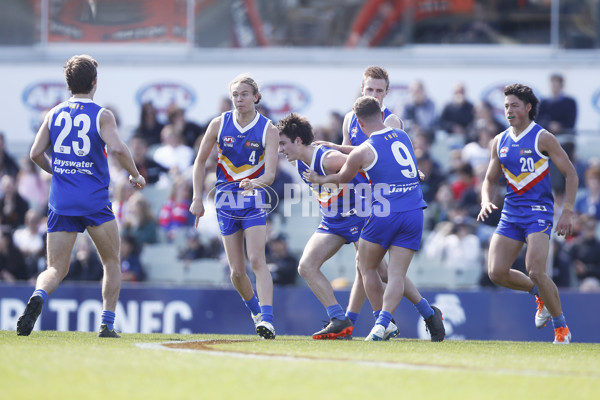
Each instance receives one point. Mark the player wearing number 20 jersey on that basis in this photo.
(79, 160)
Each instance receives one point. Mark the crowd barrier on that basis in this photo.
(468, 315)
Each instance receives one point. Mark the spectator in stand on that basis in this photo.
(477, 153)
(174, 214)
(8, 166)
(12, 206)
(558, 112)
(173, 154)
(464, 180)
(484, 117)
(281, 262)
(121, 194)
(589, 202)
(418, 114)
(455, 246)
(12, 262)
(139, 222)
(149, 127)
(86, 265)
(585, 251)
(434, 177)
(149, 169)
(189, 131)
(131, 266)
(30, 241)
(33, 184)
(458, 114)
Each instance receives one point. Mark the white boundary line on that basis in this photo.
(366, 363)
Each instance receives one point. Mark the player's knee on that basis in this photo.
(497, 276)
(537, 275)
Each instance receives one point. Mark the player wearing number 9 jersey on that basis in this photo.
(78, 132)
(247, 146)
(396, 222)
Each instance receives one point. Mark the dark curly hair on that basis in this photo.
(525, 94)
(294, 125)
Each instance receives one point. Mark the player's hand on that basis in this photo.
(248, 185)
(326, 143)
(138, 182)
(197, 209)
(312, 176)
(564, 227)
(486, 210)
(421, 175)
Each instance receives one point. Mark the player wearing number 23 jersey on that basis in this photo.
(79, 161)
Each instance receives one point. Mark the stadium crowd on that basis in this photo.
(452, 145)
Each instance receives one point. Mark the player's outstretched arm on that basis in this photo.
(118, 148)
(199, 169)
(550, 145)
(488, 187)
(351, 167)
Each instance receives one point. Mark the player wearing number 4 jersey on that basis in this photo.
(78, 131)
(396, 221)
(523, 154)
(247, 143)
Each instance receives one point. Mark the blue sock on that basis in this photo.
(253, 305)
(353, 317)
(424, 308)
(266, 313)
(384, 318)
(40, 292)
(376, 314)
(534, 291)
(108, 318)
(559, 322)
(336, 311)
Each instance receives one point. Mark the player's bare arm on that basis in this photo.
(333, 162)
(488, 187)
(362, 156)
(393, 121)
(199, 169)
(271, 154)
(118, 148)
(40, 144)
(548, 144)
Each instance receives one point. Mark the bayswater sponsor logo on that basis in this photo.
(163, 95)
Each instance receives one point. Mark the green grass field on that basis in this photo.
(78, 365)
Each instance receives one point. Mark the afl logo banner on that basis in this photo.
(42, 96)
(163, 95)
(284, 98)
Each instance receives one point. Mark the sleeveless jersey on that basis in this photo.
(241, 155)
(526, 171)
(334, 201)
(393, 173)
(357, 136)
(80, 178)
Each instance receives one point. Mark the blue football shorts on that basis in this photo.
(347, 227)
(401, 229)
(75, 223)
(231, 221)
(520, 230)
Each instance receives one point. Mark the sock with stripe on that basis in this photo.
(353, 317)
(336, 311)
(253, 305)
(376, 314)
(424, 308)
(534, 291)
(384, 319)
(108, 319)
(559, 322)
(266, 313)
(40, 292)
